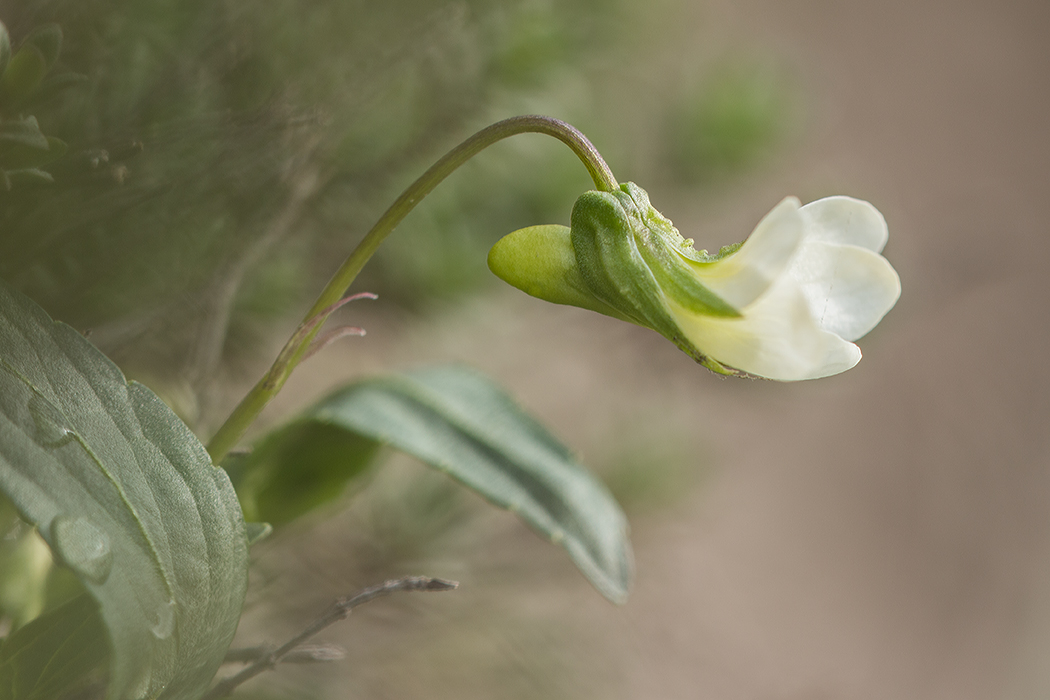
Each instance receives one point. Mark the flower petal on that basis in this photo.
(743, 276)
(846, 220)
(848, 288)
(777, 338)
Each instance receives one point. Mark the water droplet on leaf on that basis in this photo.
(164, 622)
(82, 547)
(52, 428)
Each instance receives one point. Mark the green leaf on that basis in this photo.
(53, 655)
(24, 132)
(24, 72)
(126, 497)
(462, 424)
(48, 39)
(29, 176)
(298, 469)
(22, 145)
(53, 85)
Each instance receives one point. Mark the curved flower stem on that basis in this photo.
(293, 353)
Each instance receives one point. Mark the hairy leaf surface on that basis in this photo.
(126, 496)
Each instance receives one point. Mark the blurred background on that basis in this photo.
(880, 534)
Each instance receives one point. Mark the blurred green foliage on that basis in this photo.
(730, 122)
(208, 135)
(649, 472)
(24, 83)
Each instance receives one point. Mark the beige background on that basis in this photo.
(882, 534)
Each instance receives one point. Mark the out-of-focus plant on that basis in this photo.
(730, 122)
(26, 79)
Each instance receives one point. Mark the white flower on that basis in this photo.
(786, 304)
(807, 282)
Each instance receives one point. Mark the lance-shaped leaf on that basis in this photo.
(126, 497)
(459, 422)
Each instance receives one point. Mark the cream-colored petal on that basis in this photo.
(849, 289)
(846, 220)
(744, 276)
(777, 338)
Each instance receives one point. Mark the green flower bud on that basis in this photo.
(784, 304)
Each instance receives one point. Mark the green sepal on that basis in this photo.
(663, 249)
(610, 263)
(716, 366)
(633, 258)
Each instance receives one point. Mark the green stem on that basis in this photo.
(261, 394)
